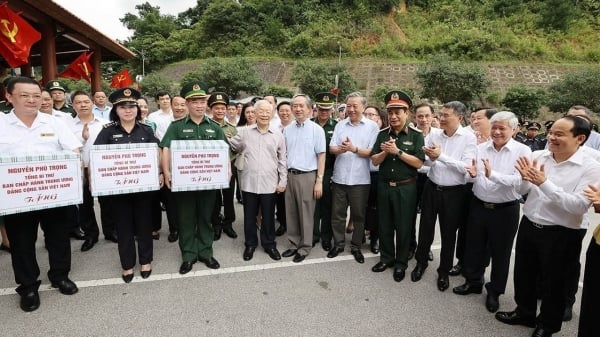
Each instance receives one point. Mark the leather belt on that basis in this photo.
(491, 205)
(294, 171)
(393, 183)
(445, 188)
(539, 225)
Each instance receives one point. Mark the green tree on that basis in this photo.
(232, 76)
(149, 21)
(278, 91)
(557, 14)
(524, 102)
(578, 88)
(449, 80)
(154, 83)
(315, 77)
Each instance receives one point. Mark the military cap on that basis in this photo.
(397, 99)
(526, 124)
(341, 107)
(56, 85)
(218, 98)
(548, 124)
(194, 89)
(325, 100)
(534, 125)
(124, 96)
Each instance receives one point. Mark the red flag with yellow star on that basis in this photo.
(16, 37)
(80, 68)
(122, 79)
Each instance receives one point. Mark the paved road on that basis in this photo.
(318, 297)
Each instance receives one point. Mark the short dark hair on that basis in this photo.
(489, 112)
(581, 126)
(80, 93)
(424, 105)
(274, 97)
(20, 79)
(161, 94)
(458, 107)
(283, 103)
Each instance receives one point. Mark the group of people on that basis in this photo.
(310, 171)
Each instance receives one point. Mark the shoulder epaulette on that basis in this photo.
(411, 126)
(386, 129)
(108, 125)
(230, 124)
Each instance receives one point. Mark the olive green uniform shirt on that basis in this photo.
(410, 141)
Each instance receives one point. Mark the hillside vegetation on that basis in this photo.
(557, 31)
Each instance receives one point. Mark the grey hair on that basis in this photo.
(506, 116)
(363, 100)
(262, 102)
(458, 107)
(307, 100)
(585, 109)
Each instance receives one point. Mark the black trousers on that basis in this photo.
(447, 203)
(106, 217)
(156, 211)
(266, 202)
(87, 215)
(573, 275)
(461, 236)
(421, 179)
(588, 327)
(372, 216)
(280, 209)
(549, 252)
(493, 230)
(133, 221)
(168, 199)
(22, 230)
(224, 198)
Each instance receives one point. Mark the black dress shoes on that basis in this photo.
(299, 258)
(568, 313)
(211, 263)
(186, 267)
(248, 253)
(280, 231)
(88, 244)
(230, 232)
(289, 253)
(217, 234)
(380, 267)
(418, 272)
(30, 301)
(273, 254)
(127, 278)
(375, 246)
(77, 234)
(335, 251)
(173, 236)
(456, 270)
(358, 256)
(491, 302)
(540, 332)
(443, 282)
(66, 287)
(467, 288)
(145, 273)
(111, 237)
(399, 274)
(515, 318)
(326, 245)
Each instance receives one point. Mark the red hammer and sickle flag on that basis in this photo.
(16, 37)
(80, 68)
(122, 79)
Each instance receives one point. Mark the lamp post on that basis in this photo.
(143, 60)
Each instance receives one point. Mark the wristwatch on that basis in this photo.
(400, 152)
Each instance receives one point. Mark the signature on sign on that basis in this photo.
(201, 179)
(41, 198)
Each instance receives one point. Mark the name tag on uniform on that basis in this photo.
(187, 130)
(330, 132)
(210, 131)
(118, 136)
(408, 142)
(46, 134)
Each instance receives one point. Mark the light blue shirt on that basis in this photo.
(100, 113)
(304, 142)
(349, 168)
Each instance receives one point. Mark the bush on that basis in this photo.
(314, 77)
(154, 83)
(579, 88)
(524, 102)
(278, 91)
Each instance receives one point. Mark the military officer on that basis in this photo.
(194, 208)
(57, 90)
(398, 151)
(322, 227)
(531, 137)
(217, 103)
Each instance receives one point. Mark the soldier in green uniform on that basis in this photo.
(57, 90)
(5, 106)
(194, 208)
(218, 102)
(398, 152)
(322, 226)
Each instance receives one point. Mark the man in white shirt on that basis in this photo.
(548, 239)
(449, 151)
(494, 210)
(100, 108)
(164, 115)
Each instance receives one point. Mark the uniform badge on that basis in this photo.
(196, 87)
(49, 134)
(187, 130)
(55, 84)
(210, 131)
(325, 98)
(395, 96)
(219, 97)
(118, 136)
(407, 142)
(126, 92)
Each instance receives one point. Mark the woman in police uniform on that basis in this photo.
(130, 211)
